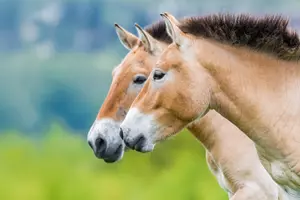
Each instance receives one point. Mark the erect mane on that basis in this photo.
(159, 32)
(269, 34)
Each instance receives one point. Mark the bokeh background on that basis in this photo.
(56, 58)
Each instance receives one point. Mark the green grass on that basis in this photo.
(61, 166)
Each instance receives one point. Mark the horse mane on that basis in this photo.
(269, 34)
(159, 32)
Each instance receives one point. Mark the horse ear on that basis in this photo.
(147, 40)
(126, 38)
(172, 28)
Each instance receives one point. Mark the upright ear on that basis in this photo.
(172, 28)
(126, 38)
(150, 44)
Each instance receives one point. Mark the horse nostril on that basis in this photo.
(90, 144)
(139, 142)
(121, 134)
(101, 145)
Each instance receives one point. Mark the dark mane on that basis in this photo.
(269, 34)
(158, 31)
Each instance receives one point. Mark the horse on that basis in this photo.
(245, 68)
(240, 176)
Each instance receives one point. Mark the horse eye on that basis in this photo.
(157, 75)
(139, 79)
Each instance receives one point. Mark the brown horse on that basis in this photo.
(128, 79)
(241, 177)
(245, 68)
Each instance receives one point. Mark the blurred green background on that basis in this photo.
(56, 58)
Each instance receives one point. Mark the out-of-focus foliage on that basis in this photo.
(67, 87)
(60, 167)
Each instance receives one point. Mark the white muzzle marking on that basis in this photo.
(107, 128)
(137, 124)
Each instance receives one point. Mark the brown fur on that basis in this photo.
(257, 93)
(219, 136)
(269, 34)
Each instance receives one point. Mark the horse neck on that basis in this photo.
(216, 133)
(256, 92)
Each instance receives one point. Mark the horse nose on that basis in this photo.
(90, 144)
(121, 133)
(100, 146)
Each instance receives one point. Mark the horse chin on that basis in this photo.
(147, 148)
(127, 149)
